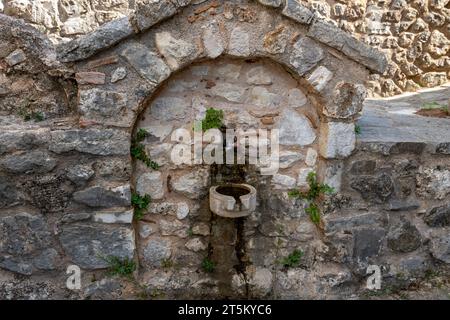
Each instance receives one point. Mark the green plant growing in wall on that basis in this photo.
(166, 263)
(292, 260)
(316, 190)
(208, 265)
(140, 204)
(121, 267)
(138, 150)
(358, 129)
(213, 120)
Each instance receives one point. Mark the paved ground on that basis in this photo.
(393, 119)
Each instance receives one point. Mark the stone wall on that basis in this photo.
(413, 34)
(67, 175)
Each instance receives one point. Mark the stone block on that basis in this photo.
(337, 139)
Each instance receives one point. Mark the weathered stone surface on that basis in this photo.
(334, 37)
(296, 283)
(8, 192)
(168, 109)
(182, 210)
(16, 264)
(261, 282)
(438, 216)
(105, 36)
(404, 237)
(367, 242)
(100, 104)
(296, 98)
(158, 132)
(333, 175)
(239, 43)
(148, 13)
(147, 63)
(403, 205)
(175, 51)
(261, 97)
(88, 245)
(283, 204)
(352, 222)
(283, 182)
(118, 74)
(152, 184)
(155, 251)
(438, 44)
(363, 167)
(347, 101)
(117, 168)
(289, 158)
(201, 229)
(297, 11)
(23, 235)
(93, 141)
(26, 289)
(271, 3)
(230, 92)
(116, 216)
(16, 57)
(295, 129)
(433, 183)
(75, 217)
(259, 76)
(374, 188)
(16, 140)
(305, 55)
(48, 192)
(90, 77)
(30, 162)
(302, 180)
(432, 79)
(440, 247)
(98, 196)
(196, 245)
(337, 139)
(311, 157)
(320, 78)
(46, 260)
(172, 228)
(193, 185)
(443, 148)
(161, 153)
(105, 289)
(146, 230)
(80, 174)
(276, 41)
(213, 43)
(75, 26)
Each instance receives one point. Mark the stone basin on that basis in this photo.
(232, 200)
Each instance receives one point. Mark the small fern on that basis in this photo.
(208, 266)
(316, 189)
(138, 150)
(121, 267)
(140, 204)
(292, 260)
(213, 120)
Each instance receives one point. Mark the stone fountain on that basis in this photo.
(234, 200)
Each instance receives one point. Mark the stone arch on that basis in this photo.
(294, 39)
(331, 70)
(122, 65)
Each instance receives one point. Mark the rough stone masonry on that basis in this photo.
(413, 34)
(70, 113)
